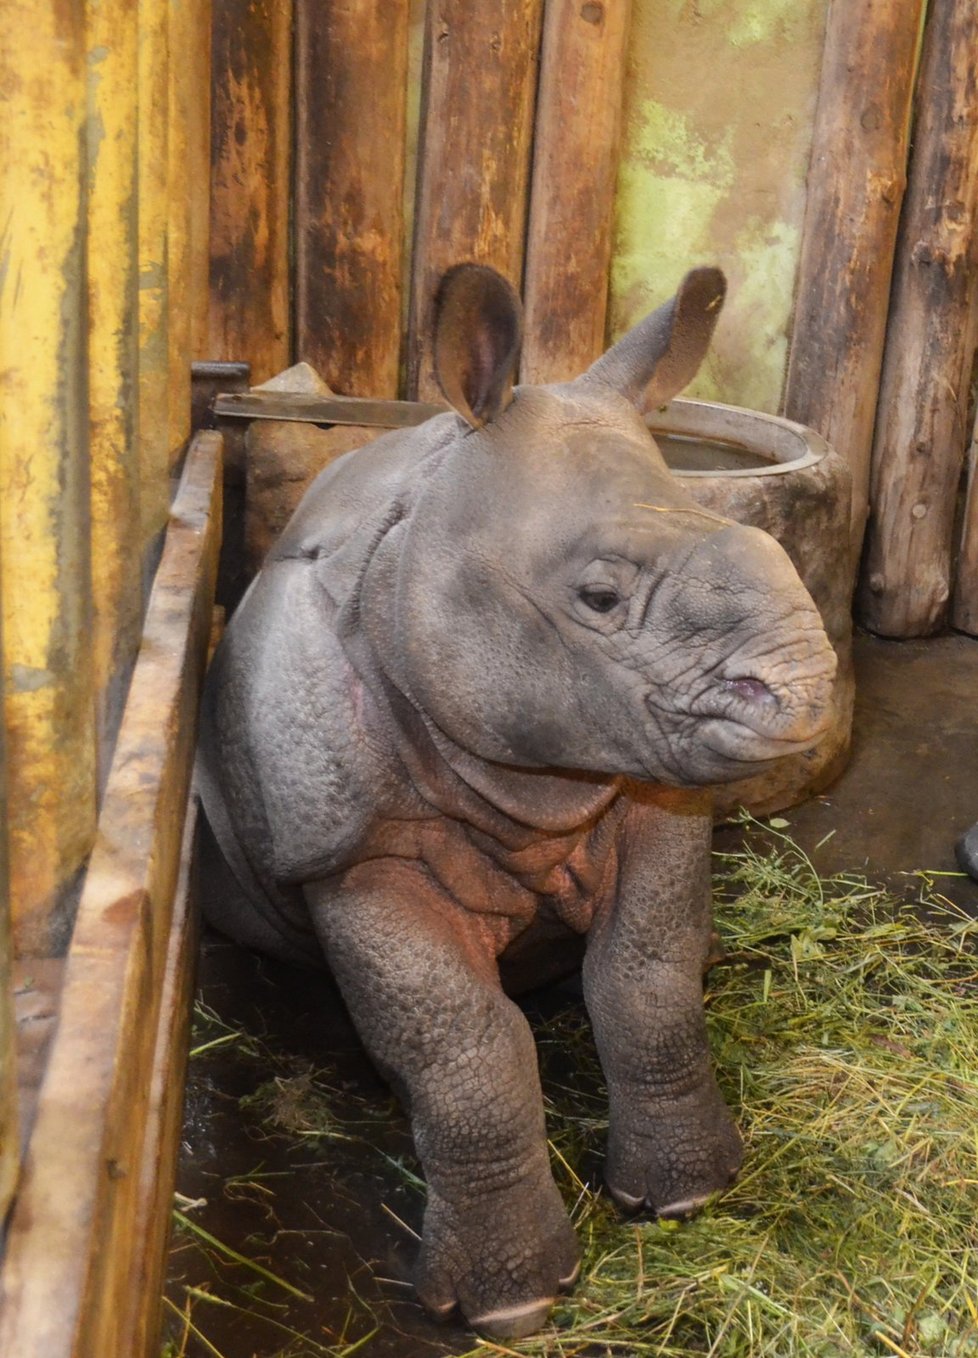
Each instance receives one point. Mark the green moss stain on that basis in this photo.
(718, 118)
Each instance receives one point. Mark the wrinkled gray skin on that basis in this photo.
(466, 708)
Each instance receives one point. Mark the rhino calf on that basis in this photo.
(472, 703)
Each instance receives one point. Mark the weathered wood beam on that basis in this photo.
(154, 311)
(251, 132)
(965, 610)
(74, 1236)
(478, 94)
(921, 425)
(856, 182)
(44, 476)
(197, 175)
(351, 98)
(575, 165)
(113, 359)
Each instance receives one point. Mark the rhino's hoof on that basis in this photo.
(516, 1322)
(680, 1210)
(966, 852)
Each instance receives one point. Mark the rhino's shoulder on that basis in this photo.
(359, 486)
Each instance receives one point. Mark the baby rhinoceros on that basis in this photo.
(472, 703)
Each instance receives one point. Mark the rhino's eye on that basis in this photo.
(598, 599)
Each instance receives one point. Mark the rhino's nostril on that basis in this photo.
(751, 690)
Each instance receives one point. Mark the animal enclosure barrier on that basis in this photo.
(265, 181)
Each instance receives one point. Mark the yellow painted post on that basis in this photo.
(154, 372)
(44, 484)
(9, 1112)
(180, 185)
(113, 357)
(199, 178)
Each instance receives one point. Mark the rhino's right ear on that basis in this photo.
(478, 329)
(653, 362)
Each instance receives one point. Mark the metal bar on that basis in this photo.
(277, 405)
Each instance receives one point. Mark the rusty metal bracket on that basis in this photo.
(354, 410)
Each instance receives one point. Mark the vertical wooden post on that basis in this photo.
(9, 1110)
(44, 484)
(351, 98)
(198, 178)
(181, 187)
(113, 357)
(855, 188)
(479, 86)
(965, 612)
(154, 363)
(250, 137)
(575, 164)
(921, 424)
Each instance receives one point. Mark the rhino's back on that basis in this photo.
(289, 775)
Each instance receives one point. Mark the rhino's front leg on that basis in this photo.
(671, 1141)
(421, 984)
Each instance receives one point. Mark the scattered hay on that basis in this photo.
(845, 1027)
(844, 1023)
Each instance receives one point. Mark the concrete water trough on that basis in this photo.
(784, 478)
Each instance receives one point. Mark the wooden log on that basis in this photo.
(44, 483)
(479, 83)
(921, 429)
(251, 129)
(856, 182)
(350, 100)
(575, 164)
(154, 312)
(113, 360)
(965, 612)
(73, 1238)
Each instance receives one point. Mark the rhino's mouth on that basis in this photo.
(747, 720)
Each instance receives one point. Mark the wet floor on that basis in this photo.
(295, 1156)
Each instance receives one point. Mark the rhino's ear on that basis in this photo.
(653, 362)
(478, 329)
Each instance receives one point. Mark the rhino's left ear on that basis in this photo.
(478, 330)
(655, 361)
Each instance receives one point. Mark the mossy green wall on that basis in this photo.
(718, 111)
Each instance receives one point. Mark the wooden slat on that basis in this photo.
(44, 485)
(113, 359)
(140, 1329)
(67, 1271)
(479, 84)
(198, 58)
(575, 164)
(965, 612)
(250, 137)
(182, 184)
(9, 1103)
(350, 101)
(856, 182)
(921, 426)
(153, 214)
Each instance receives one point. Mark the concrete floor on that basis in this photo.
(319, 1213)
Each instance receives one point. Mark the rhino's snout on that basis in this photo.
(756, 717)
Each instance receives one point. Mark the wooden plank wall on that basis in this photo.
(520, 105)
